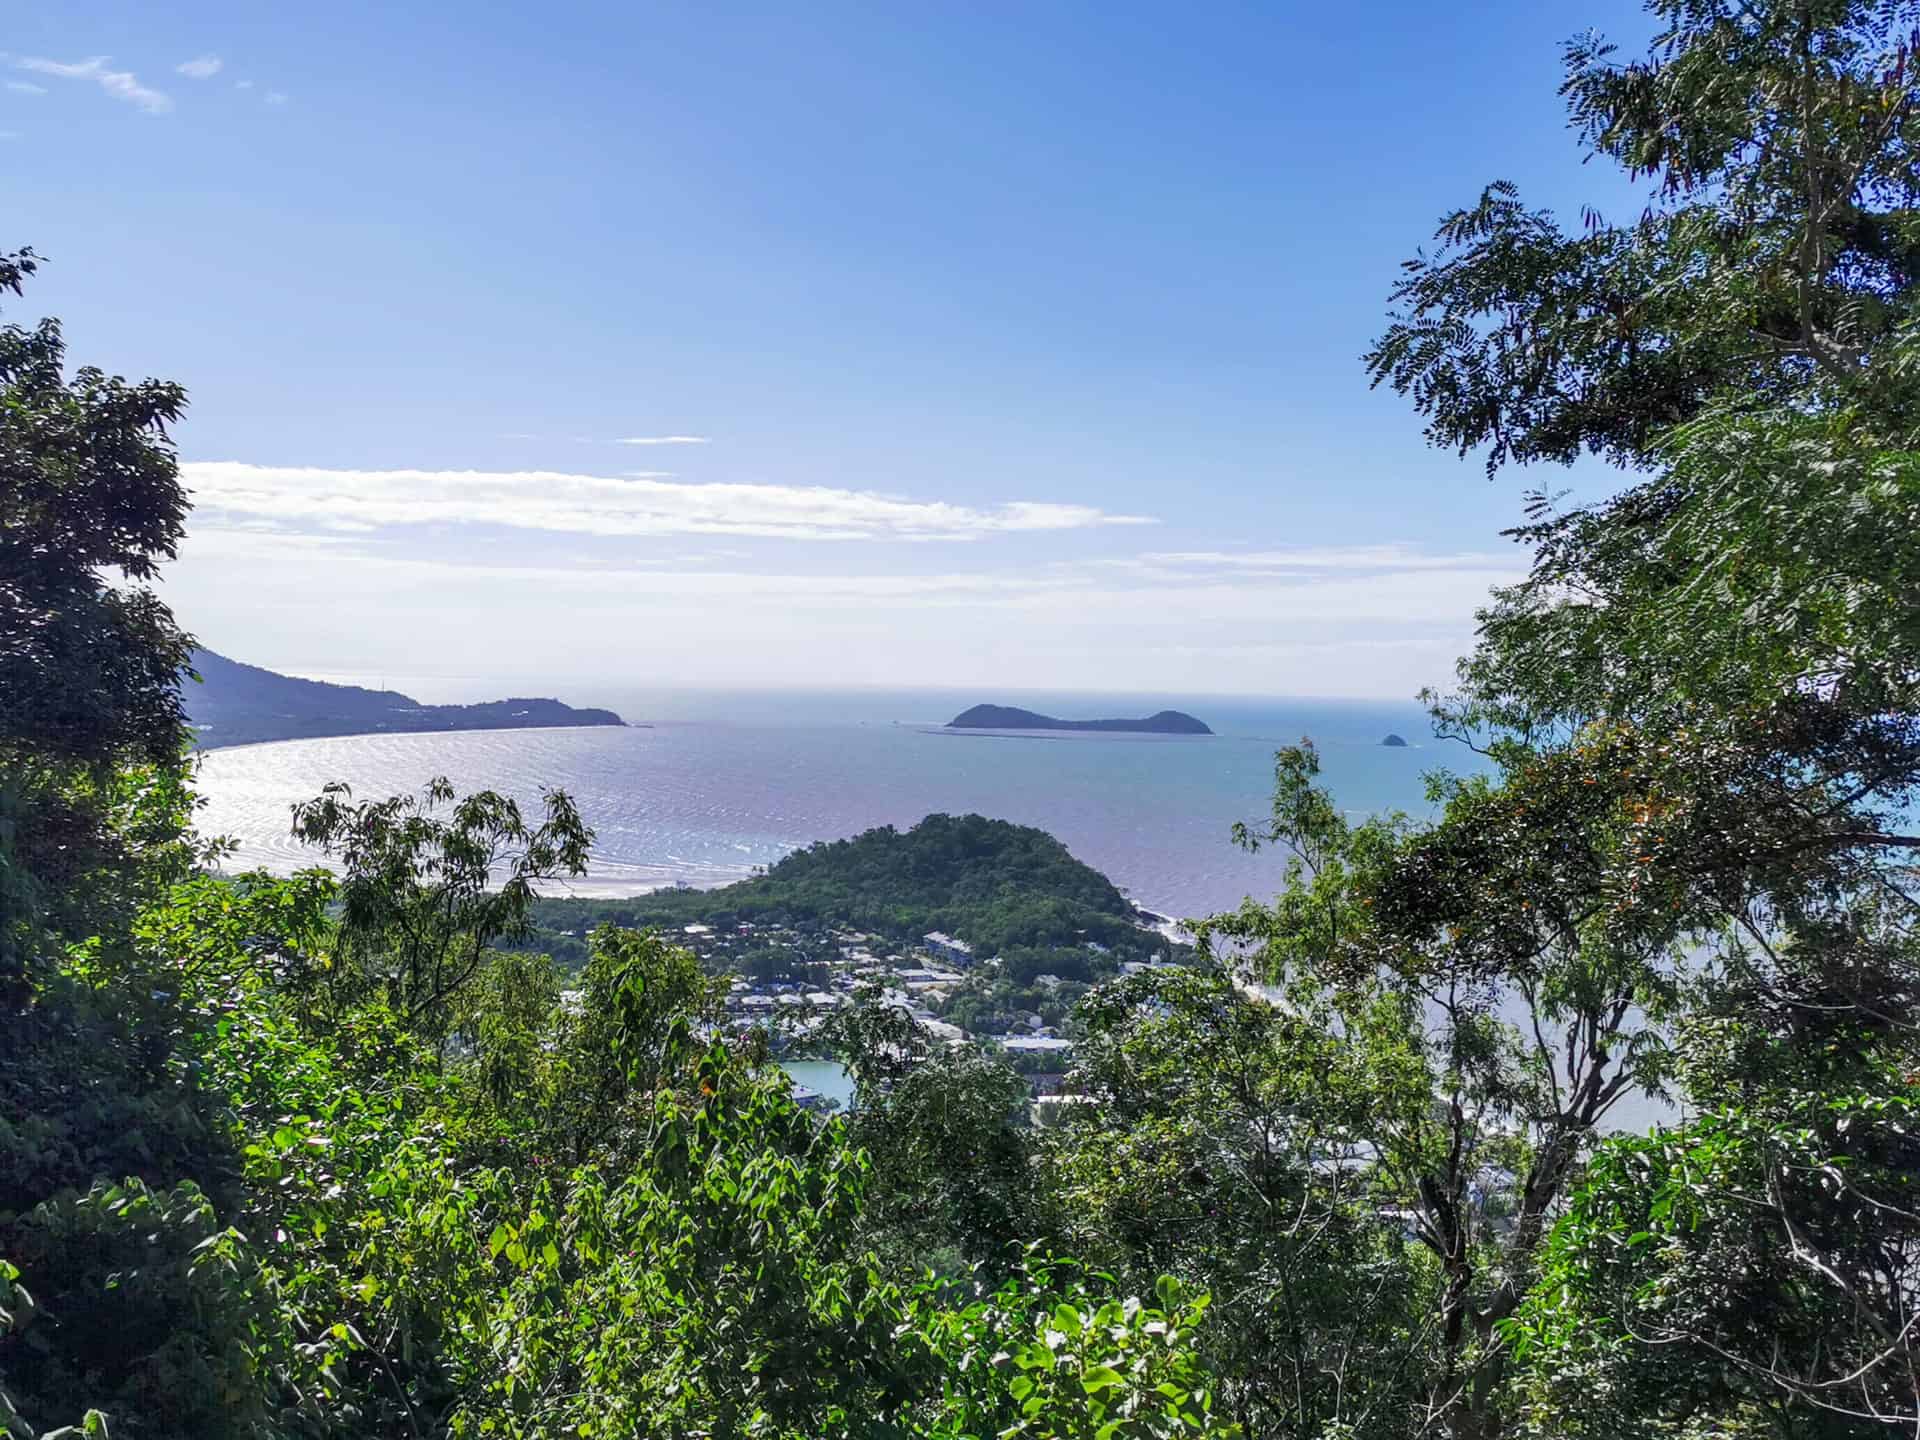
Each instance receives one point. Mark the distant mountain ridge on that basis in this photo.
(239, 704)
(1008, 717)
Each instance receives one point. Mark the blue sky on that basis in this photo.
(1007, 345)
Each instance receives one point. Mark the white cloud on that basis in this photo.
(9, 134)
(26, 87)
(662, 440)
(121, 84)
(243, 84)
(711, 616)
(274, 97)
(1410, 600)
(204, 67)
(562, 503)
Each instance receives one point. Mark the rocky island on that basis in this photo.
(1008, 717)
(236, 704)
(1394, 742)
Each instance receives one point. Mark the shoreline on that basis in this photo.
(590, 886)
(200, 749)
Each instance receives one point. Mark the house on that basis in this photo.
(922, 979)
(1034, 1044)
(945, 946)
(812, 1100)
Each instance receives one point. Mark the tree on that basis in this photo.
(1709, 683)
(1762, 1255)
(424, 898)
(953, 1184)
(1478, 1002)
(88, 483)
(1225, 1141)
(1775, 258)
(90, 714)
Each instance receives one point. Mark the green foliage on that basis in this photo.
(159, 1314)
(992, 883)
(345, 1155)
(1775, 257)
(1234, 1143)
(88, 483)
(553, 1214)
(954, 1179)
(422, 898)
(1050, 1355)
(702, 1286)
(1703, 703)
(90, 718)
(1764, 1246)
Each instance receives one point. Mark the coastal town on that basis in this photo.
(788, 977)
(984, 933)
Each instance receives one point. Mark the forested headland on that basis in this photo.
(993, 883)
(230, 703)
(333, 1155)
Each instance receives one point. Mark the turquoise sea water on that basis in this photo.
(825, 1077)
(717, 784)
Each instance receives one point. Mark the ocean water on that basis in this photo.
(824, 1077)
(704, 788)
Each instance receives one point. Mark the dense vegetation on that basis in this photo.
(317, 1156)
(229, 703)
(992, 883)
(321, 1156)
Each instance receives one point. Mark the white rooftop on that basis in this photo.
(1034, 1044)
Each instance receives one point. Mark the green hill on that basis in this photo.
(992, 883)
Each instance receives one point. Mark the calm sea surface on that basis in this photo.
(719, 784)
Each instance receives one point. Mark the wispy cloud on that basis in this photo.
(1412, 602)
(1309, 558)
(561, 503)
(243, 84)
(203, 67)
(275, 97)
(662, 440)
(26, 87)
(121, 84)
(710, 615)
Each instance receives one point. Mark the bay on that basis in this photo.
(706, 787)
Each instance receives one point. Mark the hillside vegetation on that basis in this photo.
(990, 882)
(296, 1158)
